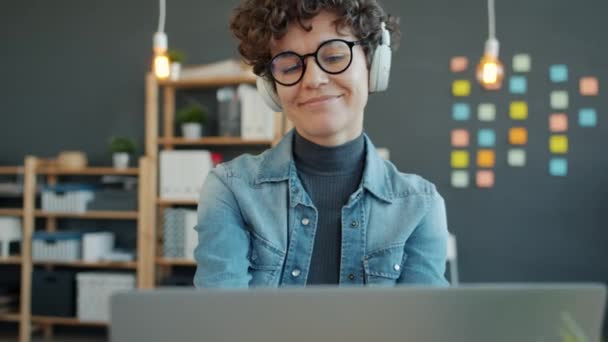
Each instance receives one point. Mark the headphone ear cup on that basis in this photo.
(268, 94)
(380, 69)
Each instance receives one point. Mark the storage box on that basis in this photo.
(56, 246)
(114, 200)
(96, 245)
(10, 230)
(95, 290)
(179, 237)
(53, 293)
(71, 198)
(182, 173)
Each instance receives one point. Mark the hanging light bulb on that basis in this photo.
(490, 70)
(161, 60)
(161, 64)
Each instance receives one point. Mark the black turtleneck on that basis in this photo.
(329, 176)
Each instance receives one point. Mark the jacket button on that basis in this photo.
(296, 273)
(305, 221)
(396, 267)
(351, 277)
(354, 224)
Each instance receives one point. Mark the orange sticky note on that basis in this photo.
(518, 136)
(589, 86)
(461, 88)
(558, 144)
(459, 64)
(519, 110)
(485, 178)
(486, 158)
(558, 122)
(460, 159)
(460, 138)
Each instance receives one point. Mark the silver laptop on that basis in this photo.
(484, 313)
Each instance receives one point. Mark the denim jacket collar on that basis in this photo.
(278, 165)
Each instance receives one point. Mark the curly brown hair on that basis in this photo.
(256, 22)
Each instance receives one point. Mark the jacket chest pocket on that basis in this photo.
(383, 267)
(265, 263)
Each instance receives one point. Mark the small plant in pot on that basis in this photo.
(121, 149)
(176, 58)
(192, 118)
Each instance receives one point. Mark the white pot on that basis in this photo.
(120, 160)
(176, 68)
(192, 130)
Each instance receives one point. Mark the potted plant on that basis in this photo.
(121, 148)
(192, 118)
(176, 58)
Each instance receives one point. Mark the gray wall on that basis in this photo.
(73, 75)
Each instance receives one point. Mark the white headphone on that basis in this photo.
(378, 74)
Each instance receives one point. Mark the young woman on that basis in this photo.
(321, 207)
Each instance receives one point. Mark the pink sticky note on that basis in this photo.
(459, 64)
(460, 138)
(589, 86)
(485, 179)
(558, 122)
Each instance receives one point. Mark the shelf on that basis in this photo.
(86, 264)
(65, 321)
(9, 317)
(89, 171)
(169, 202)
(215, 141)
(11, 260)
(11, 170)
(106, 215)
(210, 82)
(11, 212)
(175, 262)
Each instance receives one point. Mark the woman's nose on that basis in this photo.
(314, 76)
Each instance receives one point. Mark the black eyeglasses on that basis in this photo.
(333, 56)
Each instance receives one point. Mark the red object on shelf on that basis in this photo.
(216, 158)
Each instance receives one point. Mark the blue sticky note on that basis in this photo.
(486, 137)
(558, 167)
(587, 117)
(461, 111)
(518, 85)
(558, 73)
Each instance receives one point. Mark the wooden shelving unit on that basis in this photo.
(143, 266)
(164, 138)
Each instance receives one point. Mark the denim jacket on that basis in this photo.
(256, 225)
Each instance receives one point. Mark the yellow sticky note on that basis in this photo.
(460, 159)
(461, 88)
(518, 136)
(486, 158)
(558, 144)
(519, 110)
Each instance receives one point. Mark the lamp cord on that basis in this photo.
(161, 16)
(491, 19)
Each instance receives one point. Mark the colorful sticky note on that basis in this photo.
(486, 137)
(589, 86)
(521, 62)
(558, 167)
(518, 110)
(559, 99)
(558, 122)
(460, 138)
(518, 136)
(516, 157)
(459, 64)
(485, 178)
(558, 73)
(461, 88)
(486, 112)
(460, 179)
(558, 144)
(461, 111)
(486, 158)
(587, 117)
(518, 85)
(460, 159)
